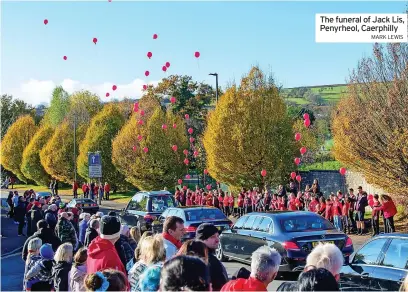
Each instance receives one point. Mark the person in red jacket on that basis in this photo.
(265, 263)
(389, 209)
(75, 189)
(337, 210)
(292, 202)
(102, 253)
(240, 204)
(346, 208)
(231, 204)
(375, 216)
(106, 189)
(329, 213)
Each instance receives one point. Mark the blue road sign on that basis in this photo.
(94, 165)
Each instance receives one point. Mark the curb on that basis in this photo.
(14, 251)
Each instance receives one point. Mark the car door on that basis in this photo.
(254, 240)
(136, 208)
(229, 238)
(358, 275)
(243, 241)
(393, 268)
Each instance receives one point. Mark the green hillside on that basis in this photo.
(329, 94)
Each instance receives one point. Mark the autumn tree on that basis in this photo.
(31, 165)
(13, 143)
(103, 128)
(248, 131)
(161, 166)
(370, 125)
(11, 110)
(59, 107)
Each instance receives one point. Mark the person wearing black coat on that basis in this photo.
(91, 232)
(360, 205)
(19, 215)
(45, 234)
(60, 272)
(36, 215)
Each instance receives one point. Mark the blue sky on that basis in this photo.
(231, 36)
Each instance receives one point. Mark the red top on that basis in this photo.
(346, 208)
(292, 205)
(312, 206)
(337, 209)
(388, 208)
(221, 200)
(250, 284)
(107, 188)
(240, 201)
(75, 186)
(231, 201)
(329, 212)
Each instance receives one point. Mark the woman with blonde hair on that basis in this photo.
(404, 286)
(152, 252)
(62, 266)
(33, 255)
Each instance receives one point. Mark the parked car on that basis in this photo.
(380, 264)
(87, 205)
(292, 233)
(45, 195)
(145, 207)
(193, 216)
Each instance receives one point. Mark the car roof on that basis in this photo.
(282, 214)
(44, 193)
(153, 193)
(392, 235)
(186, 208)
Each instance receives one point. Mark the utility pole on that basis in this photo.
(75, 170)
(216, 86)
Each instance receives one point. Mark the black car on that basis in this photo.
(87, 205)
(45, 195)
(292, 233)
(380, 264)
(145, 207)
(193, 216)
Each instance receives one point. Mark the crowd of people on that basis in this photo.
(345, 211)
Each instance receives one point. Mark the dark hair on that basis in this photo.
(351, 190)
(183, 273)
(317, 280)
(42, 224)
(112, 213)
(80, 256)
(376, 196)
(171, 222)
(194, 248)
(117, 280)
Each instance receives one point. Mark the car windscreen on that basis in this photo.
(161, 203)
(204, 214)
(84, 201)
(305, 224)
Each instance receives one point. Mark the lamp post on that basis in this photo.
(75, 170)
(216, 86)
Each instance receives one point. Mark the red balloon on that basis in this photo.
(174, 147)
(164, 68)
(167, 64)
(45, 21)
(298, 178)
(190, 131)
(370, 197)
(164, 126)
(205, 171)
(343, 171)
(65, 58)
(135, 107)
(197, 54)
(293, 175)
(186, 116)
(139, 137)
(185, 151)
(174, 126)
(155, 36)
(134, 148)
(142, 113)
(298, 136)
(95, 40)
(144, 87)
(140, 122)
(186, 161)
(303, 150)
(371, 202)
(147, 73)
(107, 94)
(195, 153)
(263, 172)
(306, 116)
(208, 187)
(307, 123)
(146, 150)
(172, 99)
(297, 160)
(188, 176)
(192, 140)
(114, 87)
(149, 55)
(180, 181)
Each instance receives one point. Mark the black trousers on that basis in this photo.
(375, 222)
(389, 225)
(20, 227)
(352, 219)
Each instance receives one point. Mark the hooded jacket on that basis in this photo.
(76, 278)
(47, 236)
(90, 235)
(103, 255)
(251, 284)
(60, 272)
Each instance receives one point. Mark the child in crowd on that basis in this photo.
(77, 274)
(375, 215)
(42, 270)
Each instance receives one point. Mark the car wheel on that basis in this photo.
(219, 253)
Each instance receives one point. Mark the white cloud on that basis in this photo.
(39, 91)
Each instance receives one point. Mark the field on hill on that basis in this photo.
(330, 93)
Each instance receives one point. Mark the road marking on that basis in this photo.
(11, 255)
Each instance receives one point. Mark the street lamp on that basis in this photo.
(216, 86)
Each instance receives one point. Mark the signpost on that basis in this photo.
(95, 168)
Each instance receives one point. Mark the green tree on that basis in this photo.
(11, 110)
(103, 128)
(160, 167)
(31, 165)
(59, 107)
(15, 140)
(248, 131)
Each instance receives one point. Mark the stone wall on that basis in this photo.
(333, 181)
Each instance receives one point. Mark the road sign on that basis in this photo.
(95, 165)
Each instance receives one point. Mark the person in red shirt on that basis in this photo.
(274, 203)
(106, 189)
(328, 211)
(188, 200)
(221, 201)
(299, 201)
(313, 204)
(247, 203)
(84, 190)
(281, 204)
(337, 209)
(292, 203)
(102, 253)
(345, 212)
(231, 204)
(226, 205)
(240, 205)
(75, 189)
(389, 209)
(265, 263)
(375, 215)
